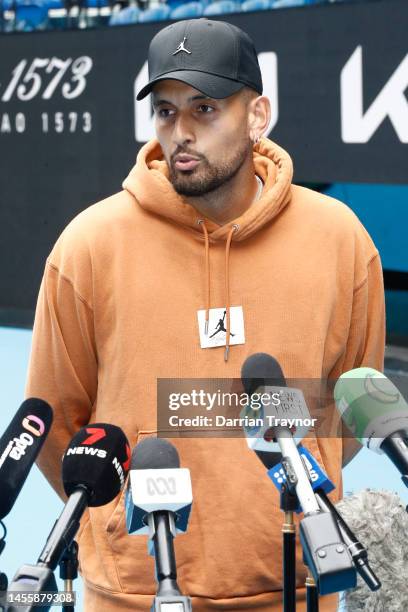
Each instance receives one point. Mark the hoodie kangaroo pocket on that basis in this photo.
(234, 537)
(209, 555)
(133, 566)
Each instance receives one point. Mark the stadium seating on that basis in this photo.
(128, 15)
(289, 3)
(256, 5)
(96, 3)
(222, 7)
(54, 4)
(157, 13)
(30, 16)
(187, 11)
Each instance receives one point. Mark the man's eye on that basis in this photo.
(164, 110)
(207, 107)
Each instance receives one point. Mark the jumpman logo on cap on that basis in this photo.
(181, 47)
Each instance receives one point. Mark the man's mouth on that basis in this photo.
(186, 162)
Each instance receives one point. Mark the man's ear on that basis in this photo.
(259, 116)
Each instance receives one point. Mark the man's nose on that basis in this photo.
(183, 131)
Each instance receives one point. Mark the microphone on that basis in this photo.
(94, 469)
(157, 483)
(322, 485)
(19, 448)
(380, 520)
(96, 460)
(376, 413)
(323, 548)
(257, 374)
(263, 379)
(158, 503)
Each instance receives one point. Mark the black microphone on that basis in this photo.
(94, 469)
(158, 503)
(261, 372)
(97, 460)
(155, 454)
(19, 448)
(258, 371)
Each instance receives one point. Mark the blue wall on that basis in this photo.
(383, 210)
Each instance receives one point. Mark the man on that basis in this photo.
(208, 221)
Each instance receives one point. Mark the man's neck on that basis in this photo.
(229, 201)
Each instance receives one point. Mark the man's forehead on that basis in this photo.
(171, 88)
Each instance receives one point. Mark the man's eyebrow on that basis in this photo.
(157, 102)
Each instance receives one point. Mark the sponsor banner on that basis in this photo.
(70, 127)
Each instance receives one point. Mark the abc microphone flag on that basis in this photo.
(158, 503)
(157, 483)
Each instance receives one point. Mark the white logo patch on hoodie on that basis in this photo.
(217, 327)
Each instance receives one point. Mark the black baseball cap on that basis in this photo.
(215, 57)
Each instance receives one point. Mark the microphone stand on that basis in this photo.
(323, 547)
(288, 503)
(357, 551)
(324, 550)
(3, 591)
(69, 571)
(40, 578)
(3, 577)
(162, 532)
(312, 594)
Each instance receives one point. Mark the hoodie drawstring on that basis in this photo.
(207, 274)
(234, 228)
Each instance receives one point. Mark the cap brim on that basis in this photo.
(209, 84)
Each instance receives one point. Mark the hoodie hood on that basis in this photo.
(149, 183)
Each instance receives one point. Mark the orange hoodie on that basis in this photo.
(117, 309)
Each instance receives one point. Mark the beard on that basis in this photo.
(207, 177)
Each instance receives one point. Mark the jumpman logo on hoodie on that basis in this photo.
(220, 326)
(181, 47)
